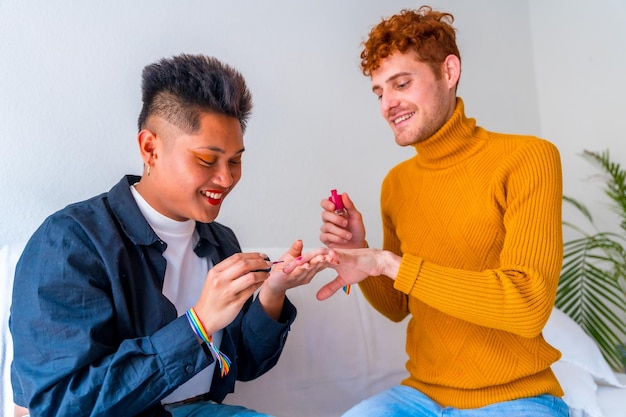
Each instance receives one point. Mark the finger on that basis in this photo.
(329, 289)
(260, 264)
(247, 292)
(307, 276)
(337, 230)
(347, 202)
(332, 241)
(317, 267)
(327, 205)
(324, 260)
(304, 259)
(248, 282)
(241, 263)
(296, 249)
(332, 218)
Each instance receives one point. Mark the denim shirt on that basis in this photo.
(94, 335)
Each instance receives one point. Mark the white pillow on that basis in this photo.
(580, 390)
(577, 348)
(581, 365)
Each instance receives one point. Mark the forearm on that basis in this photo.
(94, 388)
(381, 294)
(379, 289)
(515, 300)
(261, 338)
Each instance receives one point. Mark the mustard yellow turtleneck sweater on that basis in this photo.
(476, 217)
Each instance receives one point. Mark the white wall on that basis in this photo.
(70, 72)
(580, 61)
(69, 96)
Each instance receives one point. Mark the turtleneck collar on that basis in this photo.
(455, 141)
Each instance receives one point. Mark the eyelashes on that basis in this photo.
(206, 162)
(211, 161)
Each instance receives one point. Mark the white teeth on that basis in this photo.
(402, 118)
(214, 196)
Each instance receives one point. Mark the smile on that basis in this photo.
(214, 197)
(402, 118)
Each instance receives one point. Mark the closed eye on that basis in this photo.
(403, 85)
(208, 163)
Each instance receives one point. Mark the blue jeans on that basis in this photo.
(406, 401)
(211, 409)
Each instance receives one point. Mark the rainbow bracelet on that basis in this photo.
(201, 332)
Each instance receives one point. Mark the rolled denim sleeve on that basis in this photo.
(263, 340)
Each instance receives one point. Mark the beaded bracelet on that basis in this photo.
(201, 332)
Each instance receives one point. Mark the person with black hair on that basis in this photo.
(136, 302)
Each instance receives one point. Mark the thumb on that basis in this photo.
(347, 202)
(296, 248)
(329, 289)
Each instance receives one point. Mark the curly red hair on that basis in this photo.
(427, 32)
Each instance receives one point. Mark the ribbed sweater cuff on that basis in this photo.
(407, 275)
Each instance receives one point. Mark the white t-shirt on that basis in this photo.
(185, 274)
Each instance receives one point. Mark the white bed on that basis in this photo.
(340, 351)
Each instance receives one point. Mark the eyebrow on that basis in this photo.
(388, 80)
(222, 151)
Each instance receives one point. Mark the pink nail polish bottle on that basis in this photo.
(336, 199)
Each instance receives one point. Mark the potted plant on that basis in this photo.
(592, 286)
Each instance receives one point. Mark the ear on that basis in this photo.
(147, 145)
(451, 70)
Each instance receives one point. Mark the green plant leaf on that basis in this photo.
(580, 206)
(592, 285)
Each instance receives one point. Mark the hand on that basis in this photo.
(227, 287)
(281, 279)
(342, 232)
(272, 294)
(353, 266)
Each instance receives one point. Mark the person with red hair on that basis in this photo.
(472, 247)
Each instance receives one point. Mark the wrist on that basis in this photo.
(392, 264)
(272, 301)
(207, 339)
(269, 295)
(197, 326)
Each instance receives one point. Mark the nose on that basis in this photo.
(224, 176)
(388, 101)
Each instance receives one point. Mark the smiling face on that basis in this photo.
(413, 100)
(190, 173)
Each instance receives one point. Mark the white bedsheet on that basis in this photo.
(612, 400)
